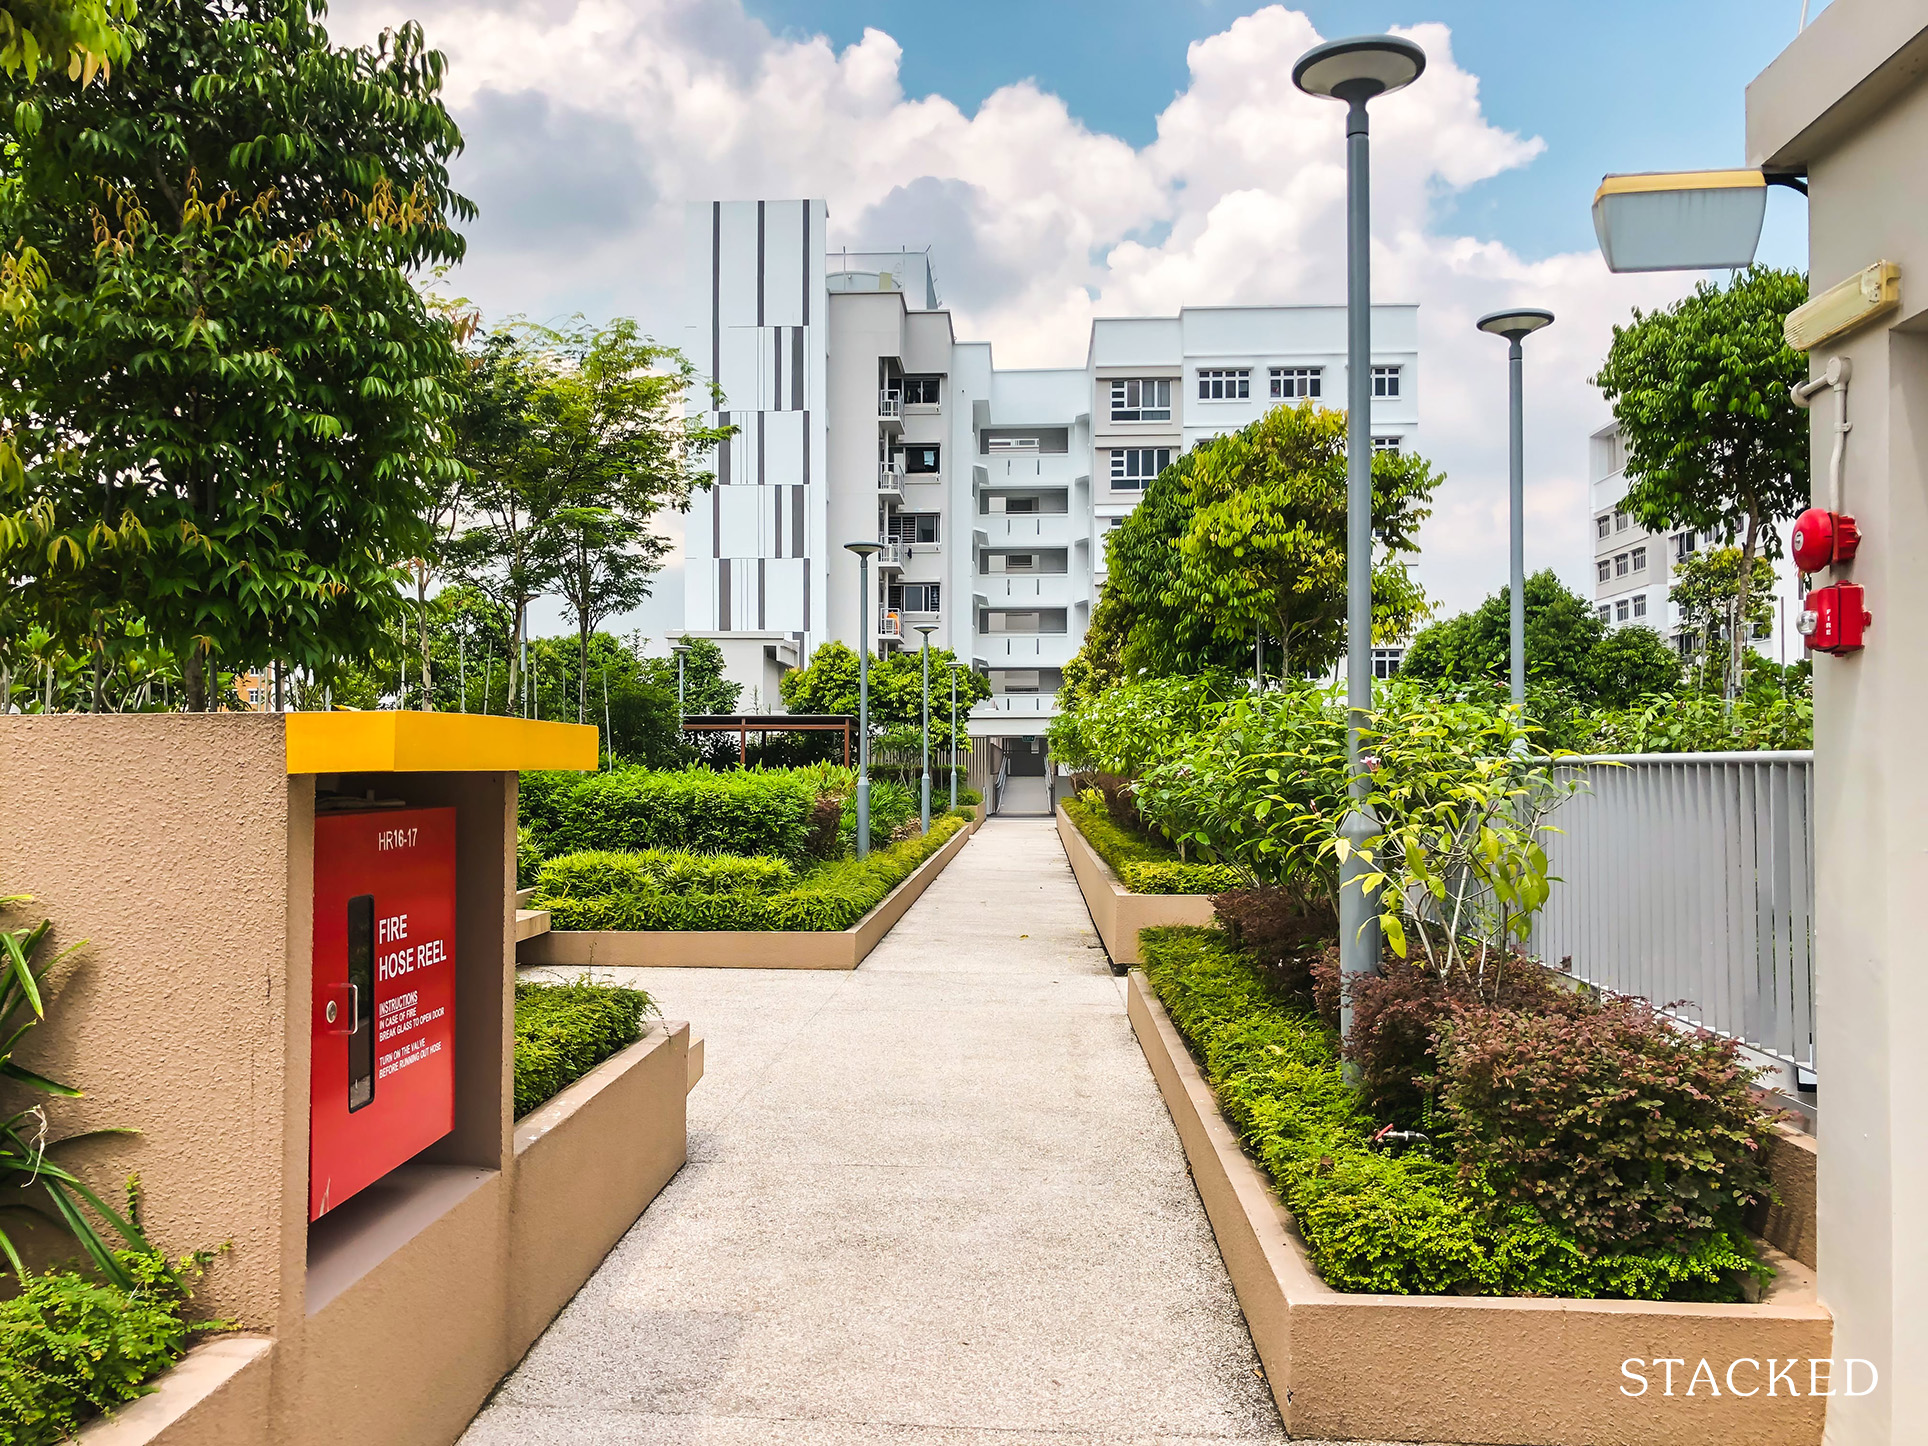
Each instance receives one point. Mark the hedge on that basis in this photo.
(72, 1346)
(593, 892)
(1371, 1220)
(745, 812)
(562, 1031)
(1145, 867)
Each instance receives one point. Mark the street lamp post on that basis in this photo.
(679, 649)
(953, 734)
(1516, 326)
(927, 629)
(865, 551)
(1356, 71)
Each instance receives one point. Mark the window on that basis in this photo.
(1620, 611)
(254, 696)
(1010, 444)
(1606, 612)
(1640, 559)
(1225, 385)
(1020, 562)
(921, 391)
(1620, 565)
(921, 458)
(1385, 381)
(911, 527)
(1603, 570)
(914, 597)
(1296, 381)
(1620, 520)
(1132, 468)
(1683, 545)
(1020, 504)
(1141, 399)
(1640, 605)
(1685, 642)
(1603, 526)
(1386, 444)
(1386, 661)
(1112, 524)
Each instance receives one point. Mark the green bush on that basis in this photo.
(72, 1346)
(605, 891)
(1145, 867)
(562, 1031)
(528, 858)
(604, 872)
(745, 812)
(1375, 1221)
(891, 807)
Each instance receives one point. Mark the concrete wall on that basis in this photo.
(1846, 104)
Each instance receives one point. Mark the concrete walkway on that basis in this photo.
(936, 1202)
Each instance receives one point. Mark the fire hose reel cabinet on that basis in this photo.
(382, 1071)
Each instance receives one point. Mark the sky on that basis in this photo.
(1066, 159)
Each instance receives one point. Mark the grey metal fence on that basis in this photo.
(1688, 878)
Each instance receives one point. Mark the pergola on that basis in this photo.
(744, 724)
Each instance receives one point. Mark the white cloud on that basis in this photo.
(641, 106)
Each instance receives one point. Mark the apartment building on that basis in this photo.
(861, 415)
(1633, 569)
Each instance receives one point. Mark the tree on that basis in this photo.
(1567, 647)
(1243, 539)
(225, 392)
(611, 445)
(829, 685)
(1714, 441)
(706, 688)
(84, 38)
(1707, 590)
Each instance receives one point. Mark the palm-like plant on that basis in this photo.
(26, 1171)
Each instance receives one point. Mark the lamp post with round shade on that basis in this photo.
(927, 629)
(953, 734)
(865, 551)
(1516, 325)
(680, 649)
(1357, 71)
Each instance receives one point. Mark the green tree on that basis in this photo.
(1707, 590)
(225, 392)
(612, 444)
(1243, 538)
(1714, 441)
(829, 685)
(1567, 647)
(706, 688)
(84, 38)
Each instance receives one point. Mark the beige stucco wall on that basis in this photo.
(1847, 102)
(175, 1017)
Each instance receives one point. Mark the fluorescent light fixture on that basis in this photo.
(1865, 295)
(1680, 220)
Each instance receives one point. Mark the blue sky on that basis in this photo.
(1611, 85)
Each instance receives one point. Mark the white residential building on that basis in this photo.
(1633, 569)
(862, 416)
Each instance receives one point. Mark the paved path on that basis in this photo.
(936, 1202)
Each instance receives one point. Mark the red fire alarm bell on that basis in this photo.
(1834, 618)
(382, 1074)
(1823, 539)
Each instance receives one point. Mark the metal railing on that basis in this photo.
(890, 480)
(889, 553)
(890, 404)
(890, 624)
(1688, 879)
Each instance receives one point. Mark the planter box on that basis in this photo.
(1501, 1370)
(1116, 910)
(216, 1392)
(742, 948)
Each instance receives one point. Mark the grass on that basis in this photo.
(642, 893)
(1145, 866)
(1373, 1221)
(562, 1031)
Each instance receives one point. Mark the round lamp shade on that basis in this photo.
(864, 549)
(1359, 68)
(1515, 323)
(927, 629)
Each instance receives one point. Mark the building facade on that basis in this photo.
(861, 416)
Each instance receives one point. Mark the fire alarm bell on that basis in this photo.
(1834, 619)
(1823, 538)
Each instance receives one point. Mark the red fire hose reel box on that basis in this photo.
(382, 1075)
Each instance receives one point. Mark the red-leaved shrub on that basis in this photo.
(1287, 937)
(1610, 1122)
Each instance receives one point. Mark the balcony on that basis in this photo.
(891, 554)
(1034, 529)
(1017, 705)
(1015, 589)
(890, 409)
(890, 626)
(890, 478)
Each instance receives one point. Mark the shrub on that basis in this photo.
(607, 891)
(694, 810)
(603, 872)
(1608, 1122)
(891, 806)
(562, 1031)
(1288, 938)
(528, 858)
(72, 1346)
(1142, 866)
(1375, 1221)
